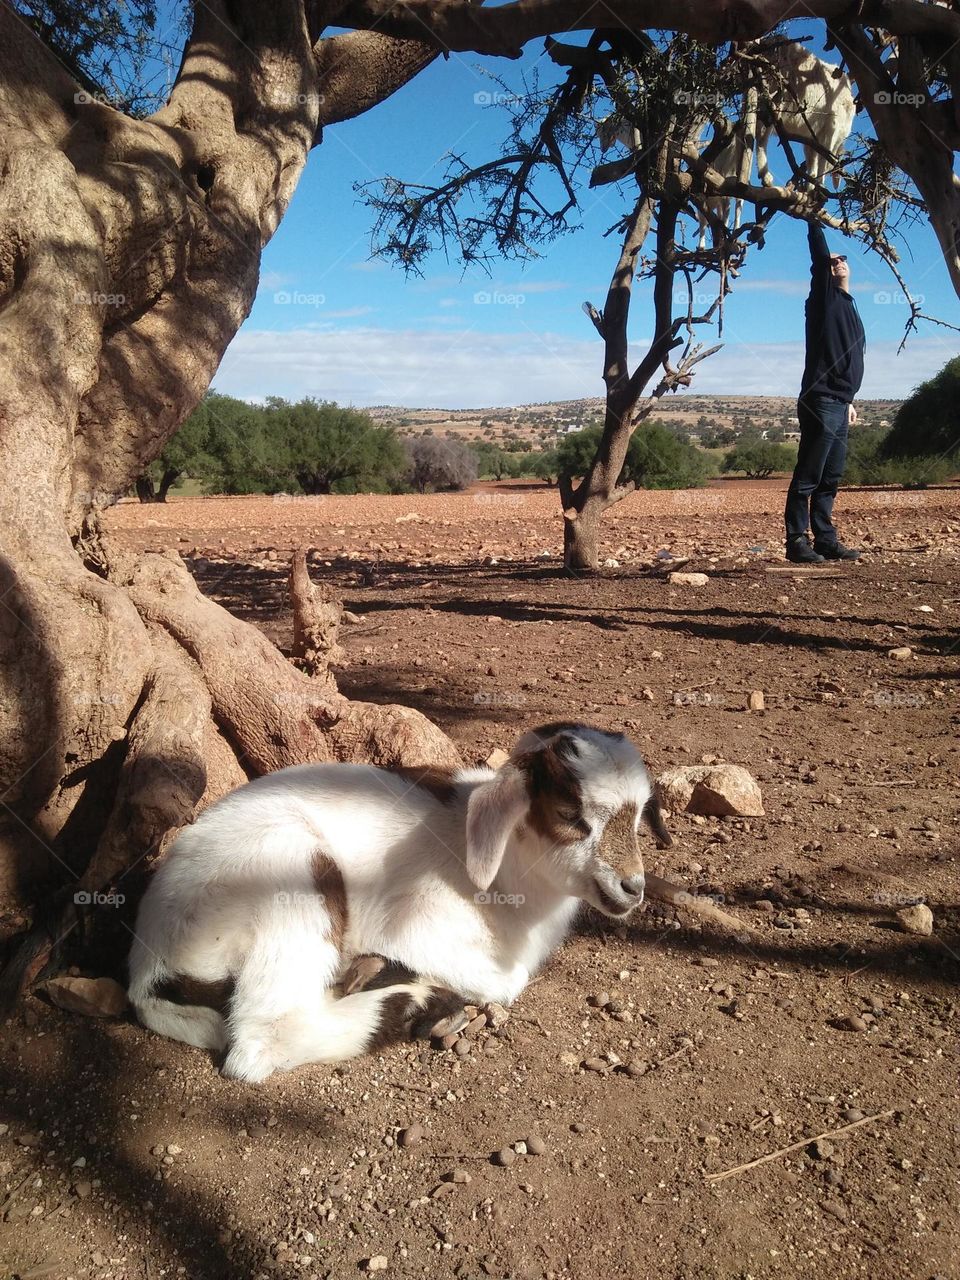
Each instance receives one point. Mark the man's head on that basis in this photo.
(840, 270)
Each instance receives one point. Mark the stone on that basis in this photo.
(902, 654)
(92, 997)
(411, 1136)
(504, 1157)
(715, 790)
(496, 1015)
(687, 579)
(755, 701)
(378, 1262)
(497, 758)
(917, 919)
(536, 1145)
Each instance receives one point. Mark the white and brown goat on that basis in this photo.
(468, 880)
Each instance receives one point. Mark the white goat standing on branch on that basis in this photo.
(813, 102)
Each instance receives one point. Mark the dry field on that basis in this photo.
(123, 1155)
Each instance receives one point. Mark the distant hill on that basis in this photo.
(539, 425)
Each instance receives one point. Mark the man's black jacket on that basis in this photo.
(835, 337)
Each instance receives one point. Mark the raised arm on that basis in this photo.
(819, 258)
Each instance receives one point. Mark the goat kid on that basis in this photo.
(469, 879)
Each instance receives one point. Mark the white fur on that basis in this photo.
(464, 894)
(814, 101)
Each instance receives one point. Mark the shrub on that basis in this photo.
(758, 459)
(656, 458)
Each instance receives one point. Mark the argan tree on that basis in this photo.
(130, 240)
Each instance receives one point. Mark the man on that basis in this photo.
(831, 379)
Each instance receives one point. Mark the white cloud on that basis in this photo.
(461, 368)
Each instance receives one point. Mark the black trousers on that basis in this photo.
(819, 470)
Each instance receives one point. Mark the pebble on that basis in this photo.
(822, 1149)
(706, 962)
(756, 701)
(448, 1042)
(461, 1177)
(599, 1001)
(505, 1157)
(901, 654)
(853, 1023)
(851, 1114)
(917, 919)
(637, 1068)
(378, 1262)
(411, 1136)
(520, 1148)
(475, 1025)
(462, 1048)
(536, 1145)
(496, 1015)
(595, 1064)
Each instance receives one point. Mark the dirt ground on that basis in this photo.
(124, 1155)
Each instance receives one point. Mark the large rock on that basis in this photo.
(688, 579)
(916, 919)
(93, 997)
(712, 789)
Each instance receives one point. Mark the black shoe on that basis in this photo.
(836, 551)
(799, 551)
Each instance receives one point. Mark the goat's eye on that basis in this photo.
(569, 815)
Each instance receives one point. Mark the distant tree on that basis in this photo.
(185, 453)
(491, 461)
(719, 438)
(758, 459)
(545, 465)
(323, 448)
(440, 464)
(927, 422)
(656, 458)
(869, 464)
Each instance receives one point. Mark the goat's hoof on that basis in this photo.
(450, 1025)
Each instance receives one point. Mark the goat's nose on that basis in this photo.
(634, 887)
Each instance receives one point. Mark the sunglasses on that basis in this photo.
(838, 257)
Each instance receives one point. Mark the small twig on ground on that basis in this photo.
(796, 1146)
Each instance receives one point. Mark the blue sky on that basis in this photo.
(331, 323)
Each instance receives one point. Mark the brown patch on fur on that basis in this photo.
(554, 791)
(397, 1015)
(182, 989)
(618, 844)
(438, 782)
(329, 881)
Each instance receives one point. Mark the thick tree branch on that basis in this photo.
(454, 25)
(362, 68)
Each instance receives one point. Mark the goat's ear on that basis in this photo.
(494, 809)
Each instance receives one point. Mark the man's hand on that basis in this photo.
(851, 416)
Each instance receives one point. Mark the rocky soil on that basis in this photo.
(584, 1135)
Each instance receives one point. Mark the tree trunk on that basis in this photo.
(145, 489)
(170, 477)
(129, 256)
